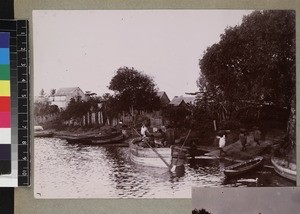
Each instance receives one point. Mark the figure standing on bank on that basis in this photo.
(243, 139)
(257, 135)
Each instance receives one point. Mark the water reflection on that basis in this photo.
(65, 170)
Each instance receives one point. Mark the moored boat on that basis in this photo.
(243, 167)
(154, 157)
(43, 134)
(108, 139)
(285, 169)
(83, 139)
(40, 132)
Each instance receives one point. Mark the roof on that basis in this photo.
(176, 101)
(190, 100)
(160, 93)
(40, 99)
(66, 91)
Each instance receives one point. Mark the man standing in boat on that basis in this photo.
(144, 131)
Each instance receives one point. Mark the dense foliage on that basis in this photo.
(44, 108)
(77, 108)
(253, 64)
(134, 90)
(177, 115)
(109, 108)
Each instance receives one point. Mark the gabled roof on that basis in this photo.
(176, 101)
(160, 93)
(190, 100)
(66, 91)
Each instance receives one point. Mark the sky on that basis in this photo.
(85, 48)
(249, 200)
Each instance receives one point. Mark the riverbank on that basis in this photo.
(266, 148)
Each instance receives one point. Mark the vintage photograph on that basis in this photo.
(150, 103)
(246, 200)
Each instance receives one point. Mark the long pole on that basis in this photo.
(159, 155)
(182, 147)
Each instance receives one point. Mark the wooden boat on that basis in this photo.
(154, 157)
(108, 139)
(284, 169)
(243, 167)
(40, 132)
(93, 139)
(43, 134)
(83, 139)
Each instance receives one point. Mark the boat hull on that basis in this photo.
(282, 170)
(152, 162)
(43, 134)
(108, 140)
(244, 167)
(149, 157)
(91, 139)
(81, 140)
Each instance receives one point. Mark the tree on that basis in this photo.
(176, 115)
(44, 108)
(253, 64)
(52, 92)
(77, 108)
(42, 93)
(109, 107)
(134, 90)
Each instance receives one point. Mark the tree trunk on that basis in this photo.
(291, 127)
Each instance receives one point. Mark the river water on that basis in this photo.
(63, 170)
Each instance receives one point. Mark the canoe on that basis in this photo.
(156, 157)
(282, 168)
(108, 140)
(43, 134)
(77, 139)
(243, 167)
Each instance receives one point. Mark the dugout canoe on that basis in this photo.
(284, 169)
(243, 167)
(43, 134)
(78, 139)
(108, 139)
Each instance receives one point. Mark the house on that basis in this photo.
(164, 99)
(62, 96)
(183, 101)
(41, 99)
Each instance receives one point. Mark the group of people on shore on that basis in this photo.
(243, 135)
